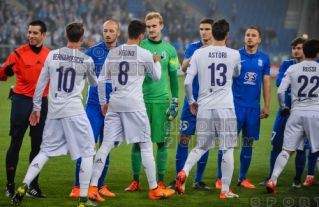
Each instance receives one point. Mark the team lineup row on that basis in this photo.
(211, 93)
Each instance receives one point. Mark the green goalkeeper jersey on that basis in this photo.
(157, 92)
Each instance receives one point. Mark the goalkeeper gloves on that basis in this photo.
(8, 70)
(172, 110)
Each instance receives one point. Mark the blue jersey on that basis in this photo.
(191, 48)
(247, 86)
(98, 53)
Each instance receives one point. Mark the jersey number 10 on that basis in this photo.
(63, 79)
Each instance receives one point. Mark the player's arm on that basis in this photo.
(188, 85)
(282, 70)
(266, 90)
(237, 68)
(283, 87)
(153, 66)
(40, 87)
(185, 64)
(90, 73)
(101, 82)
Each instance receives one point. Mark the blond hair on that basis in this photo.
(153, 15)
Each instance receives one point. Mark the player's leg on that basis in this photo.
(112, 132)
(277, 140)
(21, 108)
(227, 141)
(312, 159)
(137, 130)
(300, 162)
(293, 135)
(136, 159)
(53, 144)
(250, 133)
(36, 133)
(80, 143)
(160, 127)
(205, 141)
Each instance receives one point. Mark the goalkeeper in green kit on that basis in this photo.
(157, 100)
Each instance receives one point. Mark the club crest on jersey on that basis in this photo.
(250, 78)
(163, 55)
(260, 62)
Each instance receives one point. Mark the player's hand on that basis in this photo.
(156, 58)
(194, 108)
(264, 113)
(104, 108)
(172, 110)
(285, 111)
(34, 118)
(8, 70)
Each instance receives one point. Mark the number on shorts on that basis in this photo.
(63, 79)
(183, 125)
(273, 135)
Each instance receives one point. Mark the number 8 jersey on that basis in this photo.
(127, 66)
(304, 80)
(215, 66)
(67, 70)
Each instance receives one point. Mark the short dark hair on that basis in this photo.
(207, 21)
(135, 28)
(74, 31)
(256, 28)
(297, 41)
(220, 29)
(311, 48)
(43, 27)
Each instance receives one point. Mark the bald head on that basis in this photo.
(111, 31)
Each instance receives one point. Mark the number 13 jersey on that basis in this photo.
(66, 69)
(215, 66)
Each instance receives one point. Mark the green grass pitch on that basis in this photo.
(57, 176)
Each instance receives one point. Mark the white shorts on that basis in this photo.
(301, 124)
(72, 133)
(134, 126)
(220, 122)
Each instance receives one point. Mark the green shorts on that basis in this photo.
(156, 113)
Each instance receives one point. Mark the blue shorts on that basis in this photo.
(248, 121)
(96, 119)
(187, 124)
(277, 137)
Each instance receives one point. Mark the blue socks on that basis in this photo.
(245, 158)
(181, 156)
(219, 164)
(300, 162)
(101, 179)
(312, 160)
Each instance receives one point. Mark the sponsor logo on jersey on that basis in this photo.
(260, 62)
(250, 78)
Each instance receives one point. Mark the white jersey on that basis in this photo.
(215, 66)
(66, 69)
(304, 80)
(127, 65)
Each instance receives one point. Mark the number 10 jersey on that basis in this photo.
(67, 70)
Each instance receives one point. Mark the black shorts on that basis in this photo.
(21, 108)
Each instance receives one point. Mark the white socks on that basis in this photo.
(192, 159)
(227, 168)
(35, 167)
(85, 175)
(149, 163)
(280, 164)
